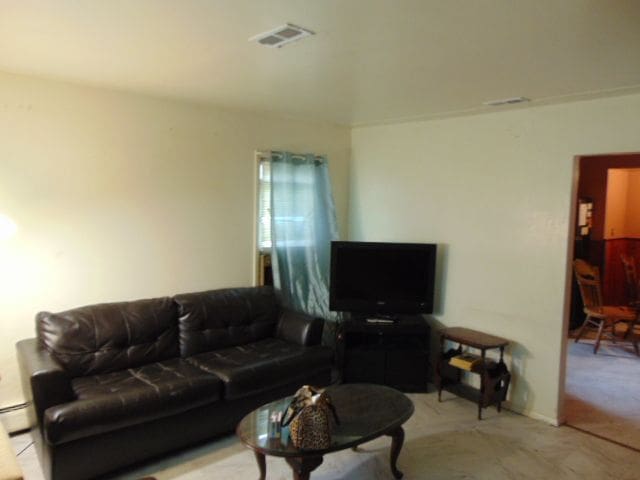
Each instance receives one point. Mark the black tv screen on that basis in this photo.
(382, 278)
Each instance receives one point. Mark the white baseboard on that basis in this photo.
(531, 414)
(15, 421)
(537, 416)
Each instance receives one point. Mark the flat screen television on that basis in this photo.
(382, 278)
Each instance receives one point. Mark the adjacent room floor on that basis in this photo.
(603, 391)
(443, 441)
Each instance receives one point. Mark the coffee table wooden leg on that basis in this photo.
(303, 466)
(262, 465)
(397, 439)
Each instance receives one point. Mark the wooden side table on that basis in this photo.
(494, 376)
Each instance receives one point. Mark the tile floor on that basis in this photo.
(443, 441)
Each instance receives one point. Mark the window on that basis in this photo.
(294, 209)
(300, 191)
(264, 274)
(264, 205)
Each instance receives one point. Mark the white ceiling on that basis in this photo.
(371, 61)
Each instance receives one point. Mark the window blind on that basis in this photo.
(301, 193)
(264, 205)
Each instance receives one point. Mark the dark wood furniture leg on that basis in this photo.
(439, 368)
(483, 386)
(262, 465)
(302, 467)
(500, 363)
(397, 439)
(458, 371)
(630, 328)
(581, 329)
(599, 337)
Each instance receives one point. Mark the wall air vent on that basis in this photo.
(505, 101)
(280, 36)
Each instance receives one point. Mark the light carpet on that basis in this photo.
(603, 390)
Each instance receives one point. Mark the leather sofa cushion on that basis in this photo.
(115, 400)
(300, 328)
(111, 336)
(224, 318)
(263, 365)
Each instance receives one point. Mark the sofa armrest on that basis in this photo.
(300, 328)
(44, 381)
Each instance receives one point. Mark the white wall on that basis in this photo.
(495, 192)
(119, 196)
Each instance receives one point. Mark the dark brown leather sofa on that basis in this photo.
(113, 384)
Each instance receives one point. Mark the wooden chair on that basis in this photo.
(633, 286)
(631, 279)
(605, 317)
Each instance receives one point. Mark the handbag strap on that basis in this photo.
(333, 410)
(291, 412)
(296, 406)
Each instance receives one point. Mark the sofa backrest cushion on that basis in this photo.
(225, 318)
(110, 336)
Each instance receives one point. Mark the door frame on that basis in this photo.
(575, 181)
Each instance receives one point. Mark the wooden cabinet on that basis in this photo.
(396, 354)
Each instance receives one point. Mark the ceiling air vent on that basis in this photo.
(280, 36)
(505, 101)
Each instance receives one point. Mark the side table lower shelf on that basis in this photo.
(494, 376)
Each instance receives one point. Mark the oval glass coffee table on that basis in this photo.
(365, 411)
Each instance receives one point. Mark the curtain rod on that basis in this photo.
(268, 153)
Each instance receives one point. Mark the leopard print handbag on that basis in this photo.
(311, 414)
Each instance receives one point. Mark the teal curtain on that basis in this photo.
(303, 224)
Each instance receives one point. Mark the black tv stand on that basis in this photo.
(394, 354)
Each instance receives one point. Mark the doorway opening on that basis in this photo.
(602, 390)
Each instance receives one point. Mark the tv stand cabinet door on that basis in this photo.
(407, 369)
(364, 365)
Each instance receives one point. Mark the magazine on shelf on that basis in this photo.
(466, 361)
